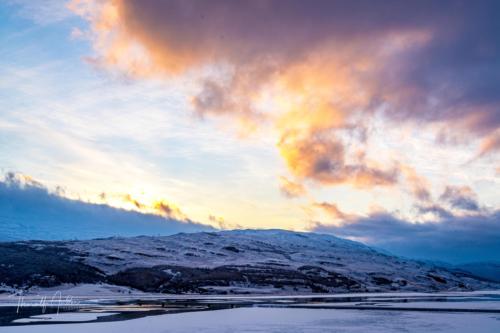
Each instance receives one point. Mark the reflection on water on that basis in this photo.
(89, 309)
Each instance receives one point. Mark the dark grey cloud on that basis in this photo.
(435, 209)
(29, 211)
(453, 239)
(454, 75)
(460, 197)
(421, 62)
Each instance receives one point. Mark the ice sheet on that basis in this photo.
(258, 320)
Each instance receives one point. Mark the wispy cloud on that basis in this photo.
(332, 210)
(291, 189)
(42, 12)
(490, 144)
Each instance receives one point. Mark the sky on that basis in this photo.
(379, 123)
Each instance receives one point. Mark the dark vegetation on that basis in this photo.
(45, 266)
(178, 279)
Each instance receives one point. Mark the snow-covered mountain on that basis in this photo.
(239, 261)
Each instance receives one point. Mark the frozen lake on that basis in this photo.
(443, 312)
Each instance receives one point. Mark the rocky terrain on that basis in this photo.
(227, 262)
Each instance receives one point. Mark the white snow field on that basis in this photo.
(288, 320)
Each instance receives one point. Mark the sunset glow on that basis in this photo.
(256, 114)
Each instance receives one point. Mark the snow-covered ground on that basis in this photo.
(268, 320)
(78, 290)
(61, 317)
(235, 262)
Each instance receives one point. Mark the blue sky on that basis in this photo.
(87, 127)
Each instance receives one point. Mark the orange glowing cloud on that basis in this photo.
(169, 210)
(291, 189)
(331, 209)
(221, 223)
(321, 157)
(309, 70)
(490, 144)
(158, 207)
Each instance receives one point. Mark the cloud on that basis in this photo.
(455, 229)
(169, 210)
(437, 211)
(158, 207)
(490, 144)
(317, 71)
(31, 211)
(42, 12)
(460, 197)
(21, 180)
(221, 223)
(291, 189)
(332, 210)
(128, 198)
(436, 68)
(453, 239)
(322, 159)
(419, 186)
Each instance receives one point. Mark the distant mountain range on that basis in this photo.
(488, 270)
(227, 262)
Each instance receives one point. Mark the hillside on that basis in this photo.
(240, 261)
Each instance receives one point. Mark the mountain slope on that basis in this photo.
(239, 261)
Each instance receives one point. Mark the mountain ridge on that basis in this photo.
(227, 262)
